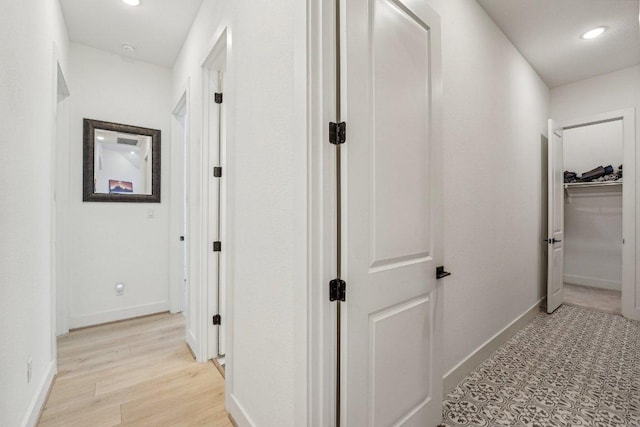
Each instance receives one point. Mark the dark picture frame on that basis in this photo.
(88, 181)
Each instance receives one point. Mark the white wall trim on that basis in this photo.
(592, 282)
(37, 404)
(321, 214)
(80, 321)
(191, 342)
(452, 378)
(238, 412)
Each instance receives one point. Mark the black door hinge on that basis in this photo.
(217, 98)
(440, 273)
(217, 320)
(217, 171)
(337, 290)
(337, 133)
(182, 238)
(217, 246)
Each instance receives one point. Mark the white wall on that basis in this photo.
(187, 75)
(266, 174)
(117, 242)
(593, 216)
(593, 238)
(495, 111)
(588, 147)
(608, 92)
(28, 30)
(116, 166)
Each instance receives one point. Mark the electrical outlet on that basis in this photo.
(29, 370)
(119, 289)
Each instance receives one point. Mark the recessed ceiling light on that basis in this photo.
(132, 2)
(133, 152)
(128, 48)
(100, 137)
(592, 34)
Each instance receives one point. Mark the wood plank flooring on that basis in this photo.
(133, 373)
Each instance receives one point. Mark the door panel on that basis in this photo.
(555, 233)
(407, 353)
(401, 229)
(393, 208)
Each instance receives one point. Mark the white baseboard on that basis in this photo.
(119, 314)
(456, 374)
(37, 404)
(191, 342)
(592, 282)
(237, 412)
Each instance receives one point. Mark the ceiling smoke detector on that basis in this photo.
(592, 34)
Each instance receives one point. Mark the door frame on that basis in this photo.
(215, 205)
(630, 215)
(321, 92)
(60, 180)
(179, 190)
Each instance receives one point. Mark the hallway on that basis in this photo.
(136, 372)
(575, 367)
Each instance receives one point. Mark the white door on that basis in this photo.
(215, 292)
(393, 204)
(222, 329)
(555, 235)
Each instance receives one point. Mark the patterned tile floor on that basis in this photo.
(576, 367)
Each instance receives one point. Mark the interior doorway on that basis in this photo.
(214, 68)
(60, 201)
(180, 208)
(592, 214)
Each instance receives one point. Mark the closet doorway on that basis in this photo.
(215, 134)
(592, 214)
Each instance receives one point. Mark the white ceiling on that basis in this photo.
(547, 33)
(157, 28)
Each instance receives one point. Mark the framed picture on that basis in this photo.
(120, 187)
(131, 153)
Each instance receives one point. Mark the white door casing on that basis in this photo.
(555, 234)
(630, 215)
(393, 215)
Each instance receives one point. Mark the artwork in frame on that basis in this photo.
(120, 187)
(105, 144)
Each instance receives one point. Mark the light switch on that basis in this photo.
(151, 213)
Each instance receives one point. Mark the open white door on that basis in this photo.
(215, 98)
(393, 221)
(555, 235)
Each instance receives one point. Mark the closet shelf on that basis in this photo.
(570, 185)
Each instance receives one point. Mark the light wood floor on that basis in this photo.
(593, 298)
(134, 373)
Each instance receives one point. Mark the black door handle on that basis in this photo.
(440, 273)
(552, 240)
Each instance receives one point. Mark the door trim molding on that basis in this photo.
(630, 214)
(321, 206)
